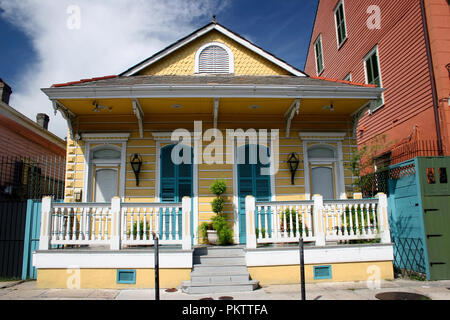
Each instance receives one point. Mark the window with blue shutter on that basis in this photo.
(176, 183)
(251, 182)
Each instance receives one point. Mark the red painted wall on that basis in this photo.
(438, 21)
(403, 63)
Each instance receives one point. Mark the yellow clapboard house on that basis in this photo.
(218, 96)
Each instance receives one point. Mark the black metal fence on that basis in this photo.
(410, 150)
(12, 231)
(23, 178)
(376, 182)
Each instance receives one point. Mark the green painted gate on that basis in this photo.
(435, 187)
(419, 216)
(31, 238)
(31, 241)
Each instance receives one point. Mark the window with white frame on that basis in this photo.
(214, 58)
(319, 54)
(373, 74)
(341, 29)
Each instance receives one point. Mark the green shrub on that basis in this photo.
(141, 230)
(218, 187)
(219, 222)
(204, 227)
(224, 233)
(287, 215)
(263, 232)
(217, 205)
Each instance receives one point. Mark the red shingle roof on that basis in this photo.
(82, 81)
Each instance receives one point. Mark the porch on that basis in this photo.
(101, 240)
(119, 225)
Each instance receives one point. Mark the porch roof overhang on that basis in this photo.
(282, 97)
(214, 91)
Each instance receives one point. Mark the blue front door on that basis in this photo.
(251, 182)
(176, 183)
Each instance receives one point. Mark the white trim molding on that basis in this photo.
(325, 139)
(111, 259)
(106, 140)
(319, 255)
(165, 137)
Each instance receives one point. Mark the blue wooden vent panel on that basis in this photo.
(126, 276)
(322, 272)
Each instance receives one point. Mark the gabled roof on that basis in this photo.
(202, 31)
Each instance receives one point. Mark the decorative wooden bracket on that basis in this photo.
(68, 115)
(137, 109)
(216, 112)
(289, 115)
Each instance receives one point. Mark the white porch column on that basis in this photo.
(186, 223)
(115, 223)
(383, 220)
(250, 207)
(46, 223)
(319, 231)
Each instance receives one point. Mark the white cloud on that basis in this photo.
(112, 36)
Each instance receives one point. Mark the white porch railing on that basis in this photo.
(316, 220)
(115, 223)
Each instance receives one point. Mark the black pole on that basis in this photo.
(302, 270)
(156, 268)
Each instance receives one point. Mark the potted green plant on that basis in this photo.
(218, 231)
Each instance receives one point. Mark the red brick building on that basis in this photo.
(402, 46)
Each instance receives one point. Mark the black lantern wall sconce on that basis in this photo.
(293, 162)
(136, 164)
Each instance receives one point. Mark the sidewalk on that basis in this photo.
(436, 290)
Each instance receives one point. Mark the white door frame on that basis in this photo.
(103, 140)
(326, 139)
(236, 188)
(163, 138)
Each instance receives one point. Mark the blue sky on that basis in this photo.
(37, 49)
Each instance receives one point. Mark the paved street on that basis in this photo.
(436, 290)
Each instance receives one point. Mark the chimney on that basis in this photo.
(42, 119)
(5, 91)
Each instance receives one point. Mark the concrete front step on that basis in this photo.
(219, 269)
(219, 287)
(213, 277)
(219, 251)
(219, 260)
(225, 269)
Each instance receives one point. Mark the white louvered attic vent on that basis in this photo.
(214, 59)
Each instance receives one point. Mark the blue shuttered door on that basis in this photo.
(176, 183)
(251, 182)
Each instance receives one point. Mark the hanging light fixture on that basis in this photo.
(136, 163)
(293, 162)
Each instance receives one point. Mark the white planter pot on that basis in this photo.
(212, 236)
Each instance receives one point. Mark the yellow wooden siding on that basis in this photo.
(146, 192)
(182, 61)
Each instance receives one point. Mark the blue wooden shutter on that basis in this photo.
(176, 183)
(251, 182)
(168, 176)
